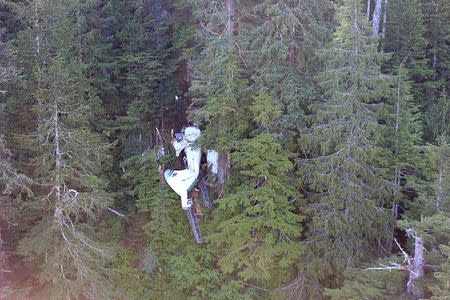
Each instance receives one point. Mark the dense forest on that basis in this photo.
(331, 120)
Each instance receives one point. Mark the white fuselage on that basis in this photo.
(182, 181)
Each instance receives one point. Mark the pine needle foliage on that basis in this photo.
(258, 231)
(68, 158)
(347, 216)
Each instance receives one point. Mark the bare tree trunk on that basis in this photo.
(416, 272)
(232, 21)
(439, 190)
(385, 7)
(80, 39)
(434, 60)
(376, 18)
(37, 7)
(292, 54)
(58, 214)
(368, 10)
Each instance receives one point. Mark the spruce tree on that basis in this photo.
(401, 158)
(436, 16)
(440, 289)
(347, 215)
(180, 267)
(279, 51)
(405, 38)
(218, 86)
(425, 223)
(257, 230)
(68, 157)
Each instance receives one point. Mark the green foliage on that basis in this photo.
(134, 284)
(441, 289)
(257, 231)
(221, 104)
(405, 130)
(279, 46)
(264, 111)
(436, 16)
(183, 269)
(79, 78)
(68, 157)
(346, 215)
(370, 284)
(405, 37)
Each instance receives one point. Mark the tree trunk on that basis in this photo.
(232, 21)
(223, 166)
(376, 18)
(224, 157)
(37, 8)
(368, 10)
(439, 190)
(434, 60)
(385, 7)
(416, 271)
(58, 214)
(292, 54)
(36, 25)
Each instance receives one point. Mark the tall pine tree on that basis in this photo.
(68, 156)
(346, 205)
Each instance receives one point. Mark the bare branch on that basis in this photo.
(116, 212)
(255, 286)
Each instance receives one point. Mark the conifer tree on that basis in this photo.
(258, 231)
(436, 15)
(133, 68)
(425, 224)
(218, 88)
(373, 285)
(440, 289)
(401, 157)
(68, 157)
(347, 213)
(180, 267)
(405, 38)
(279, 51)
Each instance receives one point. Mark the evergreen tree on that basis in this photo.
(133, 68)
(436, 15)
(367, 284)
(425, 224)
(218, 86)
(438, 114)
(347, 213)
(180, 267)
(279, 51)
(440, 290)
(68, 157)
(257, 228)
(405, 38)
(401, 156)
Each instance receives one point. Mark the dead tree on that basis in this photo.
(416, 270)
(376, 18)
(413, 265)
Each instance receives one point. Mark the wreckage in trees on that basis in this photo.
(189, 183)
